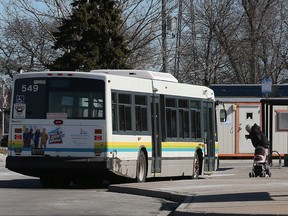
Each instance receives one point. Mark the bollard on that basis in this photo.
(278, 156)
(285, 159)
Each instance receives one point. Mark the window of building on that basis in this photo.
(282, 120)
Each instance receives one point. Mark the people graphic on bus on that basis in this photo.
(26, 137)
(36, 138)
(30, 137)
(44, 138)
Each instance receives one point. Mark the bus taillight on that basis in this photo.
(98, 138)
(98, 131)
(18, 130)
(98, 134)
(60, 74)
(98, 142)
(18, 137)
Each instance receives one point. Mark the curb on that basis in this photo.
(179, 198)
(182, 200)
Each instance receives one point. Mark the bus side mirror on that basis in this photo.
(223, 115)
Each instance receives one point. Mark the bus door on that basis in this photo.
(209, 136)
(156, 136)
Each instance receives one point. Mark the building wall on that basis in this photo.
(226, 131)
(231, 134)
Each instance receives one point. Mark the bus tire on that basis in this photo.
(47, 182)
(141, 171)
(53, 182)
(196, 166)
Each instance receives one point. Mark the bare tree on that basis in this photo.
(141, 25)
(26, 33)
(227, 41)
(142, 29)
(234, 41)
(202, 54)
(26, 45)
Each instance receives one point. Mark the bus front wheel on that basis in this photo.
(141, 171)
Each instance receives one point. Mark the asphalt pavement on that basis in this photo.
(228, 191)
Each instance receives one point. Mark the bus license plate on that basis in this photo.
(36, 151)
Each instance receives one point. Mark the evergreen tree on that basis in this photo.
(90, 37)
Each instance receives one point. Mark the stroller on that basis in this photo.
(261, 165)
(261, 160)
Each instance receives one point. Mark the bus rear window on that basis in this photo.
(76, 97)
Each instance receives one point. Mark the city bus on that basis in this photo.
(139, 124)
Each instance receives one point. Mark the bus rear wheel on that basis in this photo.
(141, 171)
(54, 182)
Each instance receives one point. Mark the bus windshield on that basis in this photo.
(77, 98)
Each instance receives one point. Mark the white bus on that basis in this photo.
(139, 124)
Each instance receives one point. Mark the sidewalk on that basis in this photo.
(2, 156)
(228, 191)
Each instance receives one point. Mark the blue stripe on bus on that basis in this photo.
(107, 150)
(79, 150)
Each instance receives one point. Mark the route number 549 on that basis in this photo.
(29, 88)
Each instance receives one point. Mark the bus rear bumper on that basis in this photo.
(39, 166)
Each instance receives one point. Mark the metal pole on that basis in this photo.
(2, 109)
(178, 40)
(164, 24)
(271, 129)
(263, 123)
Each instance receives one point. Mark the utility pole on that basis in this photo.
(178, 40)
(164, 33)
(3, 109)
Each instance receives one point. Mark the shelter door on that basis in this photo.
(248, 114)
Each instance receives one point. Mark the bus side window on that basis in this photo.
(171, 117)
(125, 112)
(141, 113)
(183, 113)
(195, 120)
(114, 112)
